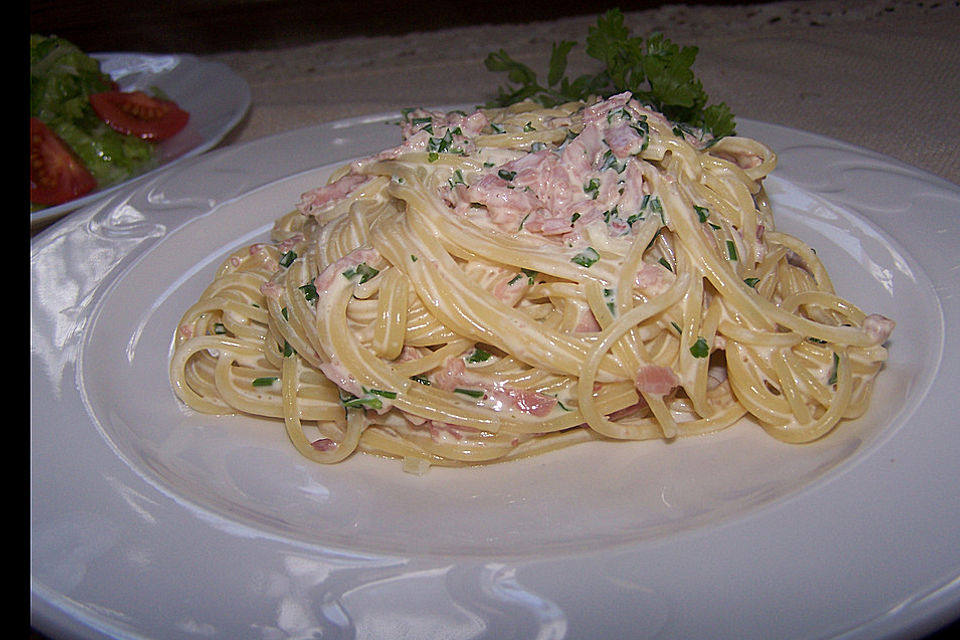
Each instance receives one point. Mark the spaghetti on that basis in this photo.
(511, 281)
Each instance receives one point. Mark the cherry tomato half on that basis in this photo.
(56, 174)
(136, 113)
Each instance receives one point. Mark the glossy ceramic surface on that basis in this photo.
(151, 521)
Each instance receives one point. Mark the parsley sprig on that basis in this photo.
(656, 71)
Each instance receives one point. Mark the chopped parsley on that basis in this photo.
(479, 355)
(370, 399)
(309, 292)
(836, 367)
(287, 258)
(586, 258)
(530, 273)
(610, 161)
(436, 146)
(363, 270)
(592, 188)
(700, 348)
(731, 250)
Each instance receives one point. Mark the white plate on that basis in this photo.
(215, 97)
(149, 521)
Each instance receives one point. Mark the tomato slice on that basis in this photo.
(56, 174)
(136, 113)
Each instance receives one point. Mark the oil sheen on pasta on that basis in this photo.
(511, 281)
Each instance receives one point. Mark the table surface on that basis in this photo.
(880, 74)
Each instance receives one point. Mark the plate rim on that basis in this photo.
(949, 591)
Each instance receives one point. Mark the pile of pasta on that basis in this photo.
(510, 281)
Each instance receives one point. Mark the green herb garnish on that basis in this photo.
(836, 367)
(656, 71)
(309, 291)
(479, 355)
(287, 259)
(592, 188)
(700, 348)
(363, 270)
(586, 258)
(731, 250)
(369, 400)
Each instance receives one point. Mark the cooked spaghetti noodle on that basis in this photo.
(515, 280)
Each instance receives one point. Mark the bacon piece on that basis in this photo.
(324, 444)
(597, 112)
(409, 354)
(878, 327)
(532, 402)
(271, 289)
(548, 226)
(289, 243)
(315, 199)
(653, 279)
(472, 124)
(582, 153)
(624, 140)
(587, 322)
(336, 373)
(506, 206)
(450, 375)
(511, 289)
(656, 380)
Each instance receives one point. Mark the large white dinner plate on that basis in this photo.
(215, 97)
(149, 521)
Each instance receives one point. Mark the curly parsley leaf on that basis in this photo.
(656, 71)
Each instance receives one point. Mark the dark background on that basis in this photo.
(209, 26)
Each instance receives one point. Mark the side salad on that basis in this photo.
(85, 133)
